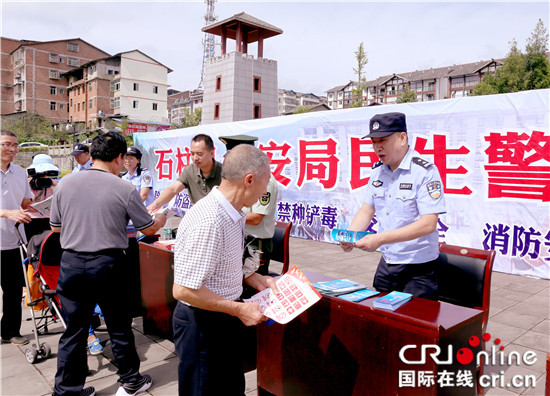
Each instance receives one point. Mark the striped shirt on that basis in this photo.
(209, 247)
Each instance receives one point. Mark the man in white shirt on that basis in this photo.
(14, 200)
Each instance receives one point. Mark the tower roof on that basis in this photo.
(254, 27)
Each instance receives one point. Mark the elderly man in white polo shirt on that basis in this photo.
(14, 200)
(208, 279)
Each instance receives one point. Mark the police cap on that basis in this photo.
(382, 125)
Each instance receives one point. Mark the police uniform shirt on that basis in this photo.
(414, 189)
(144, 180)
(266, 205)
(79, 167)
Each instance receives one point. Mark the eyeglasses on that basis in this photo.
(7, 145)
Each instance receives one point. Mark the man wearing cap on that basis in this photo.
(81, 154)
(406, 193)
(199, 177)
(260, 217)
(14, 200)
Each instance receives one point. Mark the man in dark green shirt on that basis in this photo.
(199, 177)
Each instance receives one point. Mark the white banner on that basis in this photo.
(493, 154)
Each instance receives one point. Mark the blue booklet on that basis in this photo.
(359, 295)
(347, 235)
(392, 301)
(338, 286)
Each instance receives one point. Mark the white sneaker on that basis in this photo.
(133, 388)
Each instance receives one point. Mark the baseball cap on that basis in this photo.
(235, 140)
(43, 163)
(382, 125)
(134, 151)
(79, 149)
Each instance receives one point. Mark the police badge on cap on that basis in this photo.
(382, 125)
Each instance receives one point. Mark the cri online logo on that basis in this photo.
(464, 355)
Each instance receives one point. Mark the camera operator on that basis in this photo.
(42, 180)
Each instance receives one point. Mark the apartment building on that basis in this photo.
(32, 75)
(430, 84)
(188, 100)
(290, 101)
(129, 85)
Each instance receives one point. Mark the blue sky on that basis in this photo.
(316, 50)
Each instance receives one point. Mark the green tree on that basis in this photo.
(34, 127)
(302, 109)
(520, 72)
(189, 119)
(407, 96)
(362, 60)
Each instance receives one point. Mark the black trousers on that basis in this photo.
(210, 348)
(12, 292)
(86, 279)
(421, 280)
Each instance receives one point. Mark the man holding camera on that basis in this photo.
(15, 199)
(81, 154)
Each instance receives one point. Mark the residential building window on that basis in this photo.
(53, 90)
(61, 59)
(90, 86)
(136, 87)
(73, 62)
(109, 71)
(78, 90)
(217, 111)
(54, 74)
(115, 103)
(83, 105)
(71, 102)
(218, 83)
(155, 89)
(53, 106)
(78, 107)
(73, 47)
(61, 91)
(257, 111)
(54, 58)
(135, 104)
(155, 106)
(90, 103)
(61, 106)
(257, 84)
(115, 86)
(471, 80)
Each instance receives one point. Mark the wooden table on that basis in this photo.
(343, 348)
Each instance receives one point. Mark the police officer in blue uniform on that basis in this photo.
(406, 193)
(140, 177)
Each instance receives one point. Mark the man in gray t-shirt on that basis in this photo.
(91, 210)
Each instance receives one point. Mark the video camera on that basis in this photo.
(38, 181)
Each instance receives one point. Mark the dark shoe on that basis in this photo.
(133, 388)
(89, 391)
(17, 340)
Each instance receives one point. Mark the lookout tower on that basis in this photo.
(238, 86)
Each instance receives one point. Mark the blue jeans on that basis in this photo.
(209, 345)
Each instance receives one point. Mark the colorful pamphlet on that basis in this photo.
(338, 286)
(42, 207)
(347, 235)
(392, 301)
(359, 295)
(296, 294)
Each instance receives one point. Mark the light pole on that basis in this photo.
(71, 127)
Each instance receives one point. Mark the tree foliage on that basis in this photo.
(302, 109)
(190, 119)
(407, 96)
(35, 127)
(519, 71)
(362, 60)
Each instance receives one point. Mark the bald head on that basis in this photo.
(242, 160)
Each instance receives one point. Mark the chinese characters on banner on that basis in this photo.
(495, 170)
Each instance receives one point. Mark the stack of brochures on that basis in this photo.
(338, 287)
(392, 301)
(359, 295)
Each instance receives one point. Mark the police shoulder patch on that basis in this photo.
(434, 189)
(264, 199)
(422, 162)
(376, 164)
(147, 179)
